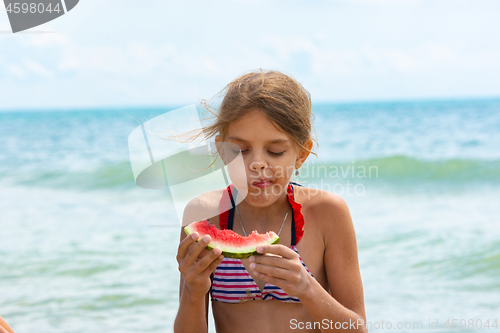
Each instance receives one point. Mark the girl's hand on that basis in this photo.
(283, 269)
(4, 327)
(197, 264)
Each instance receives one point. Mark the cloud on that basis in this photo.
(49, 39)
(17, 71)
(166, 52)
(441, 53)
(38, 69)
(69, 60)
(367, 57)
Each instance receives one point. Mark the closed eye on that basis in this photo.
(238, 151)
(276, 154)
(270, 152)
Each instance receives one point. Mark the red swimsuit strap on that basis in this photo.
(225, 207)
(297, 214)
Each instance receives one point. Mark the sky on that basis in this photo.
(160, 52)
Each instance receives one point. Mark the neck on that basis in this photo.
(264, 218)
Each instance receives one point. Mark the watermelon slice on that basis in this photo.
(232, 244)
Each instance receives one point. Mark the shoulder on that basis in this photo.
(321, 202)
(329, 211)
(322, 198)
(204, 206)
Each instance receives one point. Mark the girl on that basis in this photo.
(311, 280)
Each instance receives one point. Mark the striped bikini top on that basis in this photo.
(231, 282)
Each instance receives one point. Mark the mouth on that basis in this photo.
(261, 183)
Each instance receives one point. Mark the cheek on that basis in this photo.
(237, 169)
(283, 170)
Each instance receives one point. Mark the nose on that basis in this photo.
(258, 163)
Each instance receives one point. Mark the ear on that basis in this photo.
(303, 154)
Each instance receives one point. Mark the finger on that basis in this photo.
(185, 244)
(209, 259)
(271, 261)
(195, 250)
(278, 249)
(4, 327)
(271, 271)
(272, 280)
(202, 254)
(213, 265)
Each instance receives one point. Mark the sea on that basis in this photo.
(84, 248)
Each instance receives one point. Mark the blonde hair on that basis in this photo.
(280, 97)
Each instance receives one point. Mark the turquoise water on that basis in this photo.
(84, 249)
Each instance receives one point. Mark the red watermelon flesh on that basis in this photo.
(232, 244)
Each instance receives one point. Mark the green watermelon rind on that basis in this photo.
(235, 255)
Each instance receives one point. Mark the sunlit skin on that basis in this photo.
(4, 327)
(328, 233)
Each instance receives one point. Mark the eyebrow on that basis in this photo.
(235, 138)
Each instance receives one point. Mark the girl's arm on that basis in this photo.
(193, 312)
(4, 327)
(196, 264)
(345, 305)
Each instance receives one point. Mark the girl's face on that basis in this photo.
(269, 156)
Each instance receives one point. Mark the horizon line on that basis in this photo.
(172, 106)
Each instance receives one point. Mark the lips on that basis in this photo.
(262, 182)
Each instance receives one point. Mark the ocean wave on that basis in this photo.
(116, 176)
(404, 168)
(386, 170)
